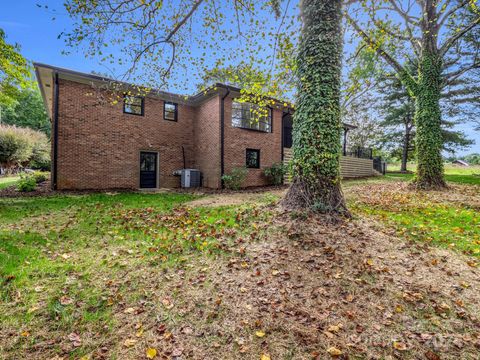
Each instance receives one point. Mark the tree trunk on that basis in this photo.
(406, 145)
(316, 126)
(427, 106)
(428, 124)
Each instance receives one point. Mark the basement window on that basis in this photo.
(133, 105)
(246, 116)
(170, 111)
(253, 159)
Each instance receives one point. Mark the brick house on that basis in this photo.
(139, 142)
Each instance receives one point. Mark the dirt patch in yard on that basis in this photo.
(236, 198)
(313, 289)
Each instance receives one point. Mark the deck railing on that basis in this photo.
(360, 152)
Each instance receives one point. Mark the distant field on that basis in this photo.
(449, 168)
(453, 173)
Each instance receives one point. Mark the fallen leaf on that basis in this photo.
(129, 310)
(177, 352)
(25, 333)
(430, 355)
(151, 353)
(32, 309)
(75, 339)
(65, 300)
(334, 328)
(265, 357)
(129, 342)
(400, 346)
(275, 272)
(167, 304)
(334, 351)
(260, 333)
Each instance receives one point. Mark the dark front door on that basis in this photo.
(148, 170)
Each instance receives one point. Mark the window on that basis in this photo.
(170, 111)
(133, 105)
(253, 158)
(245, 115)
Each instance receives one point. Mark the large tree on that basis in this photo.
(317, 129)
(437, 34)
(14, 71)
(153, 41)
(397, 110)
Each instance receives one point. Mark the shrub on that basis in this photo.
(235, 179)
(40, 176)
(26, 183)
(275, 173)
(22, 147)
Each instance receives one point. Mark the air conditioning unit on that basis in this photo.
(191, 178)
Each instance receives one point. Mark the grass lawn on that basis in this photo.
(449, 219)
(453, 173)
(123, 275)
(8, 181)
(61, 257)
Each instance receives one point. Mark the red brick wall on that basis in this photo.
(99, 146)
(238, 140)
(207, 141)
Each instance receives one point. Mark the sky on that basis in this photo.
(34, 30)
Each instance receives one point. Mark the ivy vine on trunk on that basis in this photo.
(317, 127)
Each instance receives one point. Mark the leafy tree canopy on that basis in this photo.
(14, 70)
(28, 110)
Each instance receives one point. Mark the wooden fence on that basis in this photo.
(350, 167)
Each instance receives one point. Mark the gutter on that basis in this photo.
(222, 137)
(55, 132)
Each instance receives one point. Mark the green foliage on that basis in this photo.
(22, 147)
(428, 124)
(40, 176)
(317, 127)
(235, 178)
(28, 111)
(276, 173)
(26, 183)
(472, 159)
(14, 71)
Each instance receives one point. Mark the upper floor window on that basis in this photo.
(170, 111)
(250, 116)
(133, 105)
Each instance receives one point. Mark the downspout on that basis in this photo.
(284, 115)
(222, 136)
(55, 133)
(183, 155)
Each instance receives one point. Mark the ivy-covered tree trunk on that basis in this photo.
(427, 92)
(316, 122)
(428, 124)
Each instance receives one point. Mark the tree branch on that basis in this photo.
(450, 12)
(451, 41)
(378, 49)
(168, 38)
